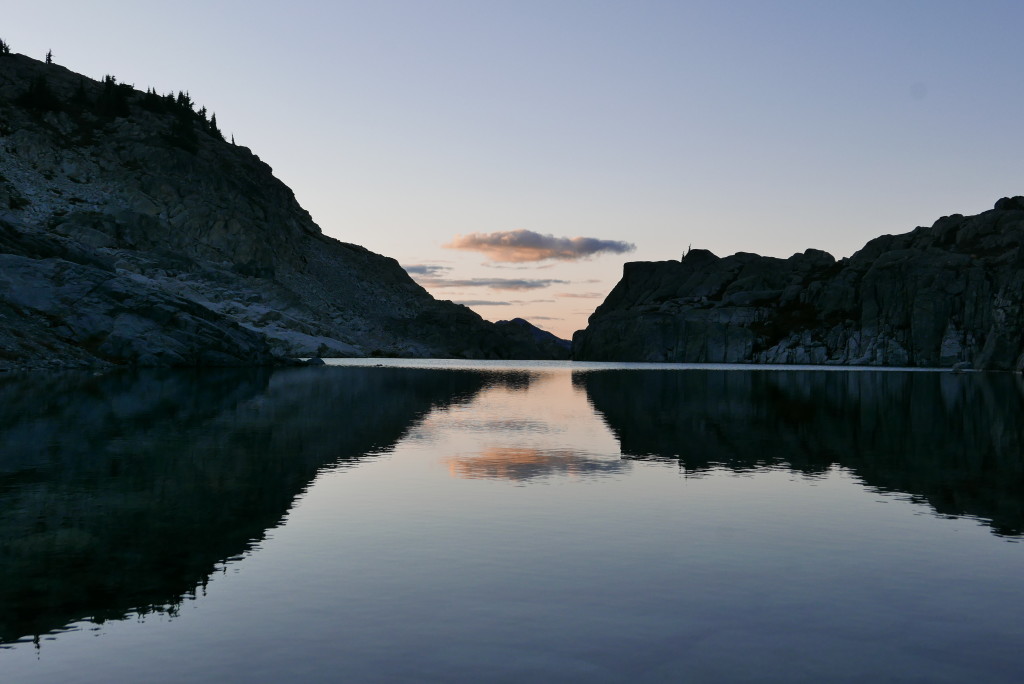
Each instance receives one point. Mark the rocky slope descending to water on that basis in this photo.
(935, 297)
(132, 232)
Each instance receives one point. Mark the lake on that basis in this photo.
(431, 521)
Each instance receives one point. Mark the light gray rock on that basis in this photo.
(143, 237)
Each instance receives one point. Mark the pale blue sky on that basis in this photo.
(766, 127)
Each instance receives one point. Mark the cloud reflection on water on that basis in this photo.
(523, 463)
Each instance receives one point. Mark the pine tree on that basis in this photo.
(113, 101)
(5, 49)
(39, 97)
(184, 101)
(49, 56)
(213, 128)
(154, 102)
(80, 99)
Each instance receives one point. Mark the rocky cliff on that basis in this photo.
(132, 232)
(935, 297)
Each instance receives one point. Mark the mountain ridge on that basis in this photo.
(143, 237)
(949, 295)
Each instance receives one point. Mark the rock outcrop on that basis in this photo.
(132, 232)
(935, 297)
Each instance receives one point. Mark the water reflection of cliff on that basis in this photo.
(122, 492)
(955, 441)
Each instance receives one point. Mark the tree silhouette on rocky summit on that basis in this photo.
(39, 97)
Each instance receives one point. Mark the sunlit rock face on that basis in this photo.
(131, 232)
(935, 297)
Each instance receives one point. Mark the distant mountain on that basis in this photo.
(553, 345)
(935, 297)
(131, 232)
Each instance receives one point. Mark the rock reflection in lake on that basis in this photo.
(121, 492)
(954, 441)
(505, 533)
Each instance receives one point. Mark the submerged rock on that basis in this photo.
(935, 297)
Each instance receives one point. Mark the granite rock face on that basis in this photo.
(935, 297)
(132, 232)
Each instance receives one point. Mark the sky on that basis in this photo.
(513, 155)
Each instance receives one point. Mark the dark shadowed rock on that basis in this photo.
(134, 234)
(526, 332)
(934, 297)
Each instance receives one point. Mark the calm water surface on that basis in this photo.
(447, 522)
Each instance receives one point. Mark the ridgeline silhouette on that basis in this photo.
(942, 296)
(131, 232)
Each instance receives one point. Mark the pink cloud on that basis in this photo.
(518, 246)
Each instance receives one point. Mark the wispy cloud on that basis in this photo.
(426, 269)
(533, 266)
(519, 246)
(581, 295)
(492, 283)
(480, 302)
